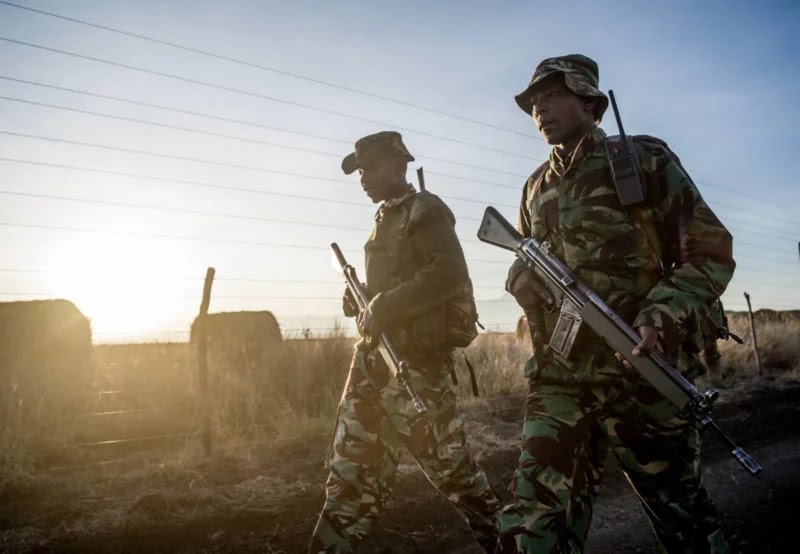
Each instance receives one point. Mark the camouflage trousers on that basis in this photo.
(567, 434)
(376, 420)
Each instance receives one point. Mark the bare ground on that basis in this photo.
(268, 501)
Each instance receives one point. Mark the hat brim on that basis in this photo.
(350, 164)
(523, 99)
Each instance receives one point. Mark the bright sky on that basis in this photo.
(716, 80)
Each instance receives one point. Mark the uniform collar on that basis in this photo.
(560, 161)
(392, 202)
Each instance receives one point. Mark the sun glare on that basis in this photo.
(125, 288)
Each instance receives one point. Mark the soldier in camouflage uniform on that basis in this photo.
(413, 262)
(659, 266)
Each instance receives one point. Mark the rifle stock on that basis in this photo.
(579, 304)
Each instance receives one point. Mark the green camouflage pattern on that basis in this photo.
(567, 435)
(573, 205)
(414, 267)
(581, 408)
(372, 147)
(376, 421)
(581, 75)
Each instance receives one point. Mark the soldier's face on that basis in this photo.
(383, 178)
(560, 115)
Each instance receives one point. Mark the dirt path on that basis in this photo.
(758, 513)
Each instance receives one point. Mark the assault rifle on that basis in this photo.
(398, 366)
(579, 304)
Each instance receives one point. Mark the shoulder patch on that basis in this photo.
(426, 205)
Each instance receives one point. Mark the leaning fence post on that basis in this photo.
(202, 362)
(753, 333)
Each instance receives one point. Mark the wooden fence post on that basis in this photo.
(202, 362)
(753, 332)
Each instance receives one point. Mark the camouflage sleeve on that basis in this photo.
(703, 256)
(432, 237)
(524, 228)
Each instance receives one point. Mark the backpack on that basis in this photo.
(713, 324)
(451, 324)
(460, 319)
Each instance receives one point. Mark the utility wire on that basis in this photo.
(349, 143)
(188, 182)
(198, 212)
(179, 210)
(191, 238)
(300, 133)
(164, 236)
(751, 196)
(258, 169)
(225, 164)
(750, 211)
(266, 280)
(274, 220)
(271, 69)
(159, 179)
(259, 95)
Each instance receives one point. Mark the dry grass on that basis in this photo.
(281, 419)
(778, 346)
(154, 401)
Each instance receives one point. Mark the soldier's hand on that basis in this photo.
(349, 305)
(650, 340)
(368, 326)
(530, 292)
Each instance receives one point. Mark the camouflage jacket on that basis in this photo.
(574, 206)
(414, 264)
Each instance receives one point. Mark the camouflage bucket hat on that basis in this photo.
(581, 76)
(373, 147)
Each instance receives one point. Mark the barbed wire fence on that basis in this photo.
(760, 262)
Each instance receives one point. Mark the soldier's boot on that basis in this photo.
(340, 528)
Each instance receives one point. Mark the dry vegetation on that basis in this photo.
(147, 397)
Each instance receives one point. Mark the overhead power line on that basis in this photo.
(188, 182)
(204, 184)
(170, 126)
(223, 164)
(262, 96)
(165, 236)
(175, 157)
(192, 212)
(179, 210)
(257, 243)
(443, 160)
(191, 238)
(249, 217)
(272, 70)
(193, 113)
(750, 211)
(751, 196)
